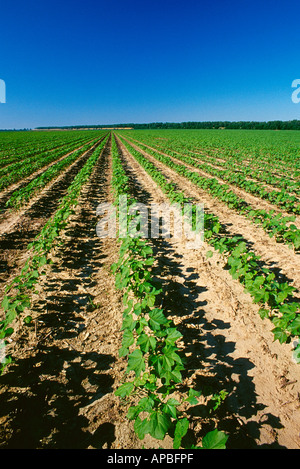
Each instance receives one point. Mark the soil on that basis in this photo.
(59, 392)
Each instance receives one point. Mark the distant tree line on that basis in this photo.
(253, 125)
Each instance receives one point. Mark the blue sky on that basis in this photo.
(104, 62)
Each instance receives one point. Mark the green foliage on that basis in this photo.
(274, 297)
(149, 343)
(278, 226)
(27, 159)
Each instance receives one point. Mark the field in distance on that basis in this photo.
(141, 342)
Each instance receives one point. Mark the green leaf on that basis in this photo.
(156, 319)
(142, 427)
(181, 429)
(10, 316)
(128, 322)
(133, 412)
(128, 338)
(42, 261)
(294, 327)
(259, 280)
(114, 267)
(215, 440)
(151, 300)
(280, 335)
(9, 331)
(124, 390)
(145, 405)
(149, 261)
(123, 352)
(145, 342)
(129, 305)
(160, 424)
(170, 375)
(172, 336)
(35, 274)
(141, 324)
(137, 309)
(296, 354)
(5, 303)
(170, 407)
(264, 313)
(288, 308)
(28, 320)
(136, 362)
(147, 251)
(169, 352)
(192, 398)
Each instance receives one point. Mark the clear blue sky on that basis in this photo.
(89, 62)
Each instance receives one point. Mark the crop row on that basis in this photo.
(276, 225)
(154, 363)
(35, 164)
(18, 293)
(274, 297)
(31, 159)
(23, 152)
(274, 152)
(259, 153)
(234, 175)
(22, 196)
(236, 172)
(260, 174)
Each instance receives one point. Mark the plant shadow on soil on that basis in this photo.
(208, 354)
(45, 413)
(205, 342)
(45, 389)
